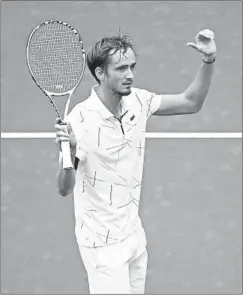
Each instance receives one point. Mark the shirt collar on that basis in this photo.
(100, 107)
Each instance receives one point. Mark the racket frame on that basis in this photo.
(67, 161)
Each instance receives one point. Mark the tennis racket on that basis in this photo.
(56, 60)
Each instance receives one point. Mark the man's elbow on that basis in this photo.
(193, 107)
(196, 108)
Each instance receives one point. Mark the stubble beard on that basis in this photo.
(124, 93)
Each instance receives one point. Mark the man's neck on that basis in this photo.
(111, 100)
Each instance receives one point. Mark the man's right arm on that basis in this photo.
(65, 177)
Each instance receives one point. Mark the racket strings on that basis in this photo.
(56, 57)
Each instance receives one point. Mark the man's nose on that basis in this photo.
(130, 74)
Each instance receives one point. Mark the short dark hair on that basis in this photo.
(99, 54)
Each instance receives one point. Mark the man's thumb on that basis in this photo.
(193, 45)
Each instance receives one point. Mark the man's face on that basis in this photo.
(120, 72)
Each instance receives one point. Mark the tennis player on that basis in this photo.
(107, 138)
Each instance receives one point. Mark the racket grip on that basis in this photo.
(66, 155)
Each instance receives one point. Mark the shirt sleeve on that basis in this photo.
(149, 100)
(76, 120)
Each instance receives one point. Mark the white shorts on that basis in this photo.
(118, 268)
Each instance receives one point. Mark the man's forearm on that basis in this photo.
(199, 88)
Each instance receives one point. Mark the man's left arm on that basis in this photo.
(192, 99)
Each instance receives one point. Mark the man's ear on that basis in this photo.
(100, 74)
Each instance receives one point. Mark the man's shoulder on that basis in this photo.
(144, 94)
(81, 107)
(140, 91)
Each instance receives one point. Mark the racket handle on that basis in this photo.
(66, 155)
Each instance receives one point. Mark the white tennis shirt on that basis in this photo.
(109, 174)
